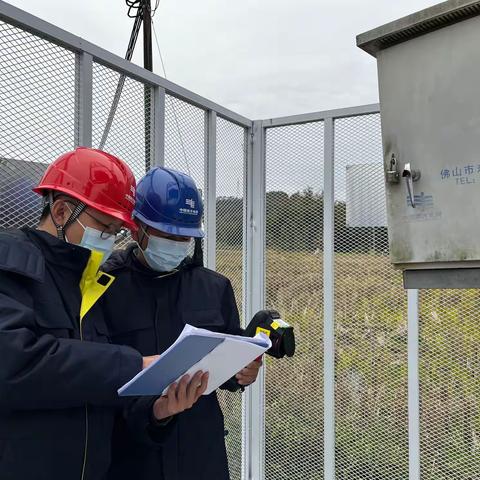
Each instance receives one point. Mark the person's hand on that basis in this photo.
(181, 396)
(249, 374)
(149, 360)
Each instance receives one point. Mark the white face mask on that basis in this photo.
(92, 239)
(164, 255)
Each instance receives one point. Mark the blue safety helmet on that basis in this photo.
(169, 201)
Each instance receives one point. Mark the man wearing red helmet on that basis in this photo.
(59, 375)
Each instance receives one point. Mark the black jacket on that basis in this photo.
(148, 311)
(58, 377)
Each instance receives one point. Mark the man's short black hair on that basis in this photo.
(46, 204)
(45, 213)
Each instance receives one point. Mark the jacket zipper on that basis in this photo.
(90, 274)
(169, 274)
(85, 450)
(157, 336)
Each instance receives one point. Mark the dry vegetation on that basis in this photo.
(371, 373)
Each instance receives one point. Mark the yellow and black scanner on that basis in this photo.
(280, 332)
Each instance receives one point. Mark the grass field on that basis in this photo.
(371, 373)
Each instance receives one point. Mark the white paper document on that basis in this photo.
(222, 355)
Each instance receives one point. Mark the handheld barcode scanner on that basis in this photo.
(280, 332)
(266, 321)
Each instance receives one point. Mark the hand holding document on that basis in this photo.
(219, 354)
(180, 396)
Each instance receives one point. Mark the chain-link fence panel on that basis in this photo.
(121, 118)
(294, 286)
(19, 206)
(37, 118)
(185, 147)
(449, 384)
(371, 411)
(122, 121)
(230, 204)
(185, 142)
(230, 186)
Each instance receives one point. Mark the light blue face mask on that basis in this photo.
(92, 239)
(164, 255)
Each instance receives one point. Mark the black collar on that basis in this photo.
(58, 252)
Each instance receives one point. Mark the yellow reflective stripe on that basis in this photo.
(90, 287)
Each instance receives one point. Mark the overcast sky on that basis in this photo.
(262, 58)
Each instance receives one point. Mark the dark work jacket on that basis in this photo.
(148, 311)
(58, 376)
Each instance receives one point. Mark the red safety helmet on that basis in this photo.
(96, 178)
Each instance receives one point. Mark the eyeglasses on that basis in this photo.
(109, 230)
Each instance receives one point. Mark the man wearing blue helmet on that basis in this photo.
(159, 288)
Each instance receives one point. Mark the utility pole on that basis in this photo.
(148, 65)
(133, 5)
(147, 36)
(143, 15)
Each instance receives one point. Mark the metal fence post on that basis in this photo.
(211, 190)
(247, 164)
(413, 387)
(158, 127)
(329, 297)
(254, 401)
(246, 282)
(83, 99)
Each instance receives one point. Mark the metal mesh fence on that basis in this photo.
(294, 286)
(185, 147)
(19, 205)
(122, 120)
(185, 142)
(449, 384)
(231, 153)
(118, 118)
(37, 118)
(38, 123)
(370, 314)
